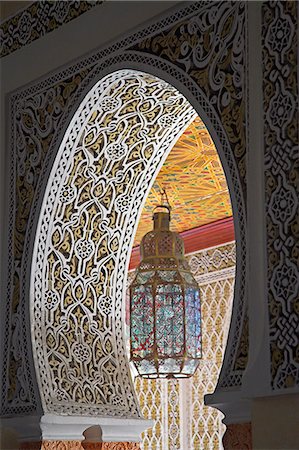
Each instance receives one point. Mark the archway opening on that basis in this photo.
(197, 190)
(107, 162)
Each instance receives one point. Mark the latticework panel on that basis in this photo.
(182, 421)
(151, 401)
(207, 428)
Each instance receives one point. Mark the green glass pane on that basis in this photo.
(143, 277)
(193, 322)
(167, 275)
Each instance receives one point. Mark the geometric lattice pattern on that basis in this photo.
(194, 70)
(37, 20)
(281, 147)
(182, 421)
(195, 183)
(95, 188)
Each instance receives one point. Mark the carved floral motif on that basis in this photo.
(39, 114)
(80, 243)
(79, 445)
(38, 19)
(210, 47)
(281, 131)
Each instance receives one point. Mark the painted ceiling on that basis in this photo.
(194, 181)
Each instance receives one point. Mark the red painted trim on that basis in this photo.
(210, 235)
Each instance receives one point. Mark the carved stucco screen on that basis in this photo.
(113, 147)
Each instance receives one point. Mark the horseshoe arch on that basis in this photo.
(107, 161)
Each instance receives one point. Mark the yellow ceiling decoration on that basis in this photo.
(195, 183)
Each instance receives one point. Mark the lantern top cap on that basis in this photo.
(162, 218)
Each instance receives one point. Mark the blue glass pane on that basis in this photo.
(193, 322)
(169, 320)
(145, 367)
(142, 321)
(190, 366)
(169, 366)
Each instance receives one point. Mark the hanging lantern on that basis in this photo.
(165, 322)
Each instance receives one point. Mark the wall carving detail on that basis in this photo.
(205, 46)
(113, 147)
(35, 123)
(281, 131)
(46, 108)
(38, 19)
(212, 260)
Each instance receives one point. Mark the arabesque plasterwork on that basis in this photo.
(79, 445)
(38, 19)
(281, 132)
(46, 108)
(205, 46)
(35, 126)
(115, 143)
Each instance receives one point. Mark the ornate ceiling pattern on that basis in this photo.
(195, 183)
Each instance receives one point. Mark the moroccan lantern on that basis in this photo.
(165, 320)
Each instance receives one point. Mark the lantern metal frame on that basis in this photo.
(164, 290)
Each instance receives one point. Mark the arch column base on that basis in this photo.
(237, 418)
(76, 432)
(238, 436)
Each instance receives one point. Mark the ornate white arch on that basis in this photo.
(106, 163)
(209, 97)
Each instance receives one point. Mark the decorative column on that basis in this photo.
(275, 415)
(230, 397)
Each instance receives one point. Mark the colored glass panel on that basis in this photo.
(193, 322)
(169, 320)
(142, 306)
